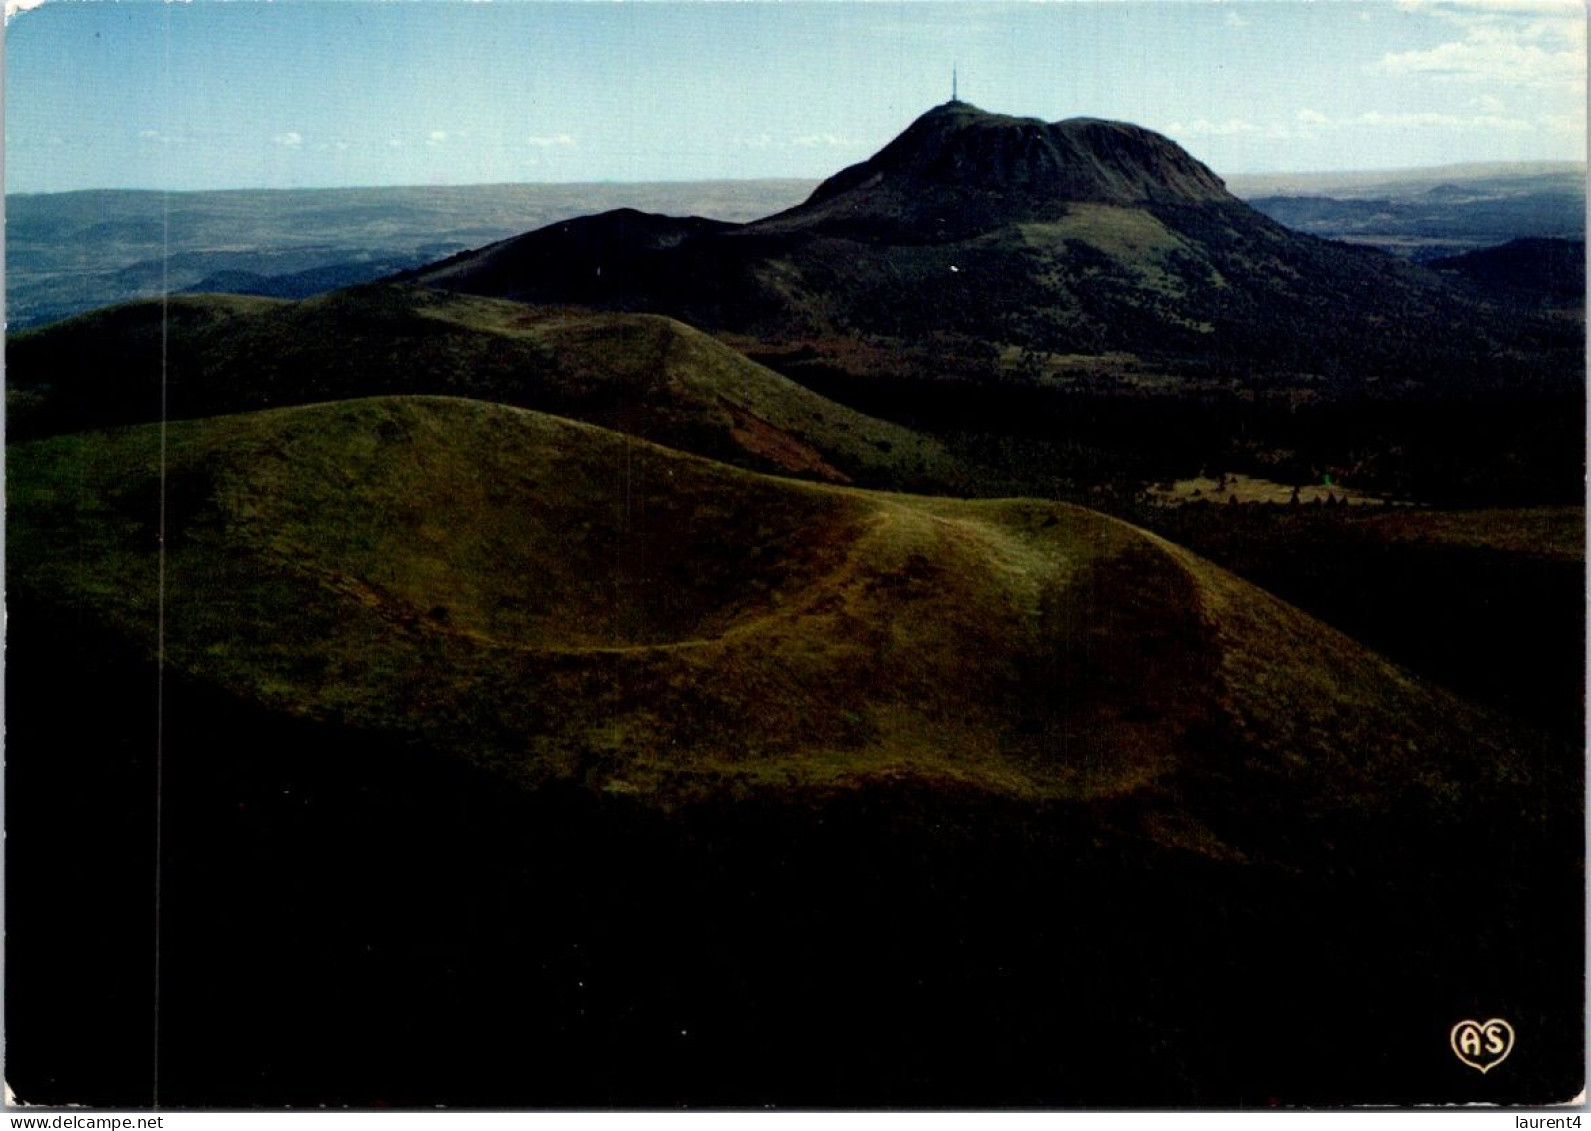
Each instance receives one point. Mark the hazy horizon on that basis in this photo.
(1345, 175)
(349, 94)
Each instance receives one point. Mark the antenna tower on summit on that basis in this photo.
(953, 97)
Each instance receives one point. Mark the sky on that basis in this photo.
(316, 93)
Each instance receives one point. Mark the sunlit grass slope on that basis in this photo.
(558, 602)
(645, 375)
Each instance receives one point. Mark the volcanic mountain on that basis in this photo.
(974, 240)
(958, 171)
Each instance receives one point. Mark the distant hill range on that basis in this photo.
(70, 252)
(976, 242)
(1369, 184)
(1430, 213)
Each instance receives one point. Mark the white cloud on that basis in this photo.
(1377, 119)
(832, 141)
(292, 139)
(436, 137)
(394, 143)
(1233, 19)
(13, 7)
(1490, 60)
(1505, 42)
(1564, 124)
(1442, 121)
(1231, 127)
(1467, 10)
(548, 141)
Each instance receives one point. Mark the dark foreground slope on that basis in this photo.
(1542, 272)
(1489, 603)
(504, 760)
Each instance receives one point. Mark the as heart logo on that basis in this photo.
(1482, 1045)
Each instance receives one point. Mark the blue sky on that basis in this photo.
(208, 94)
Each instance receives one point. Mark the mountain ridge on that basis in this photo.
(997, 238)
(642, 374)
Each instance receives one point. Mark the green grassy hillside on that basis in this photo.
(563, 603)
(533, 764)
(640, 374)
